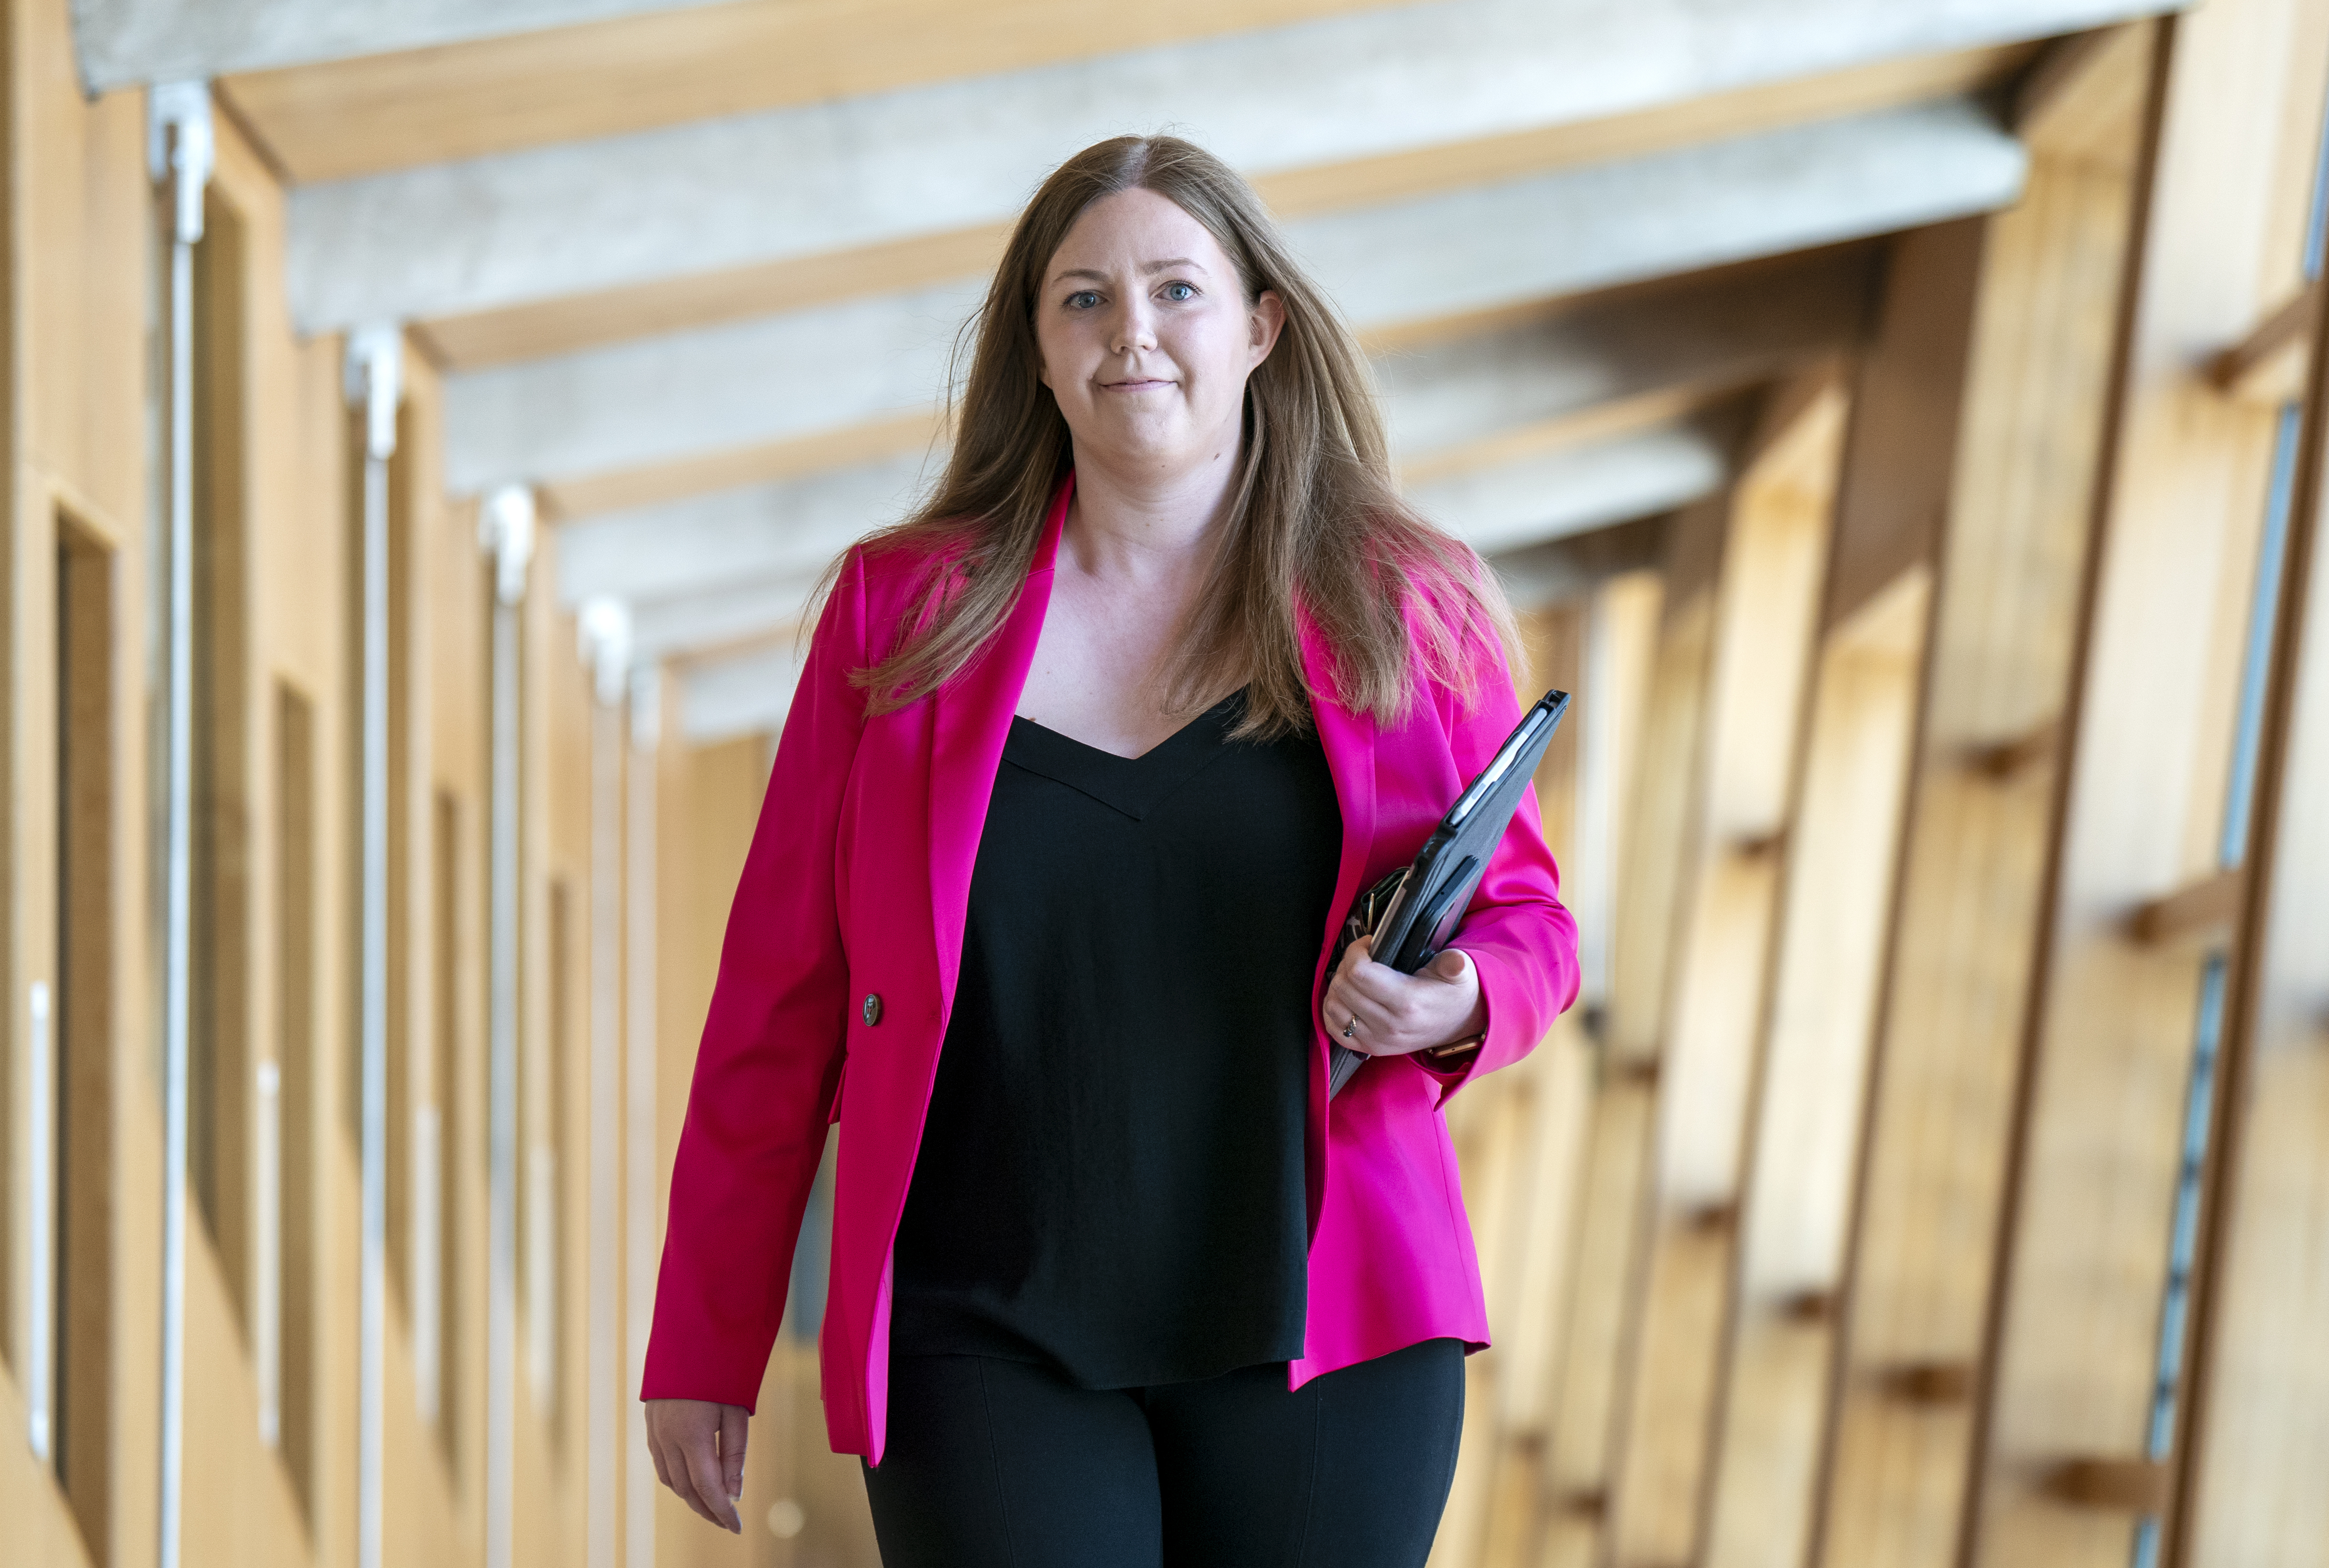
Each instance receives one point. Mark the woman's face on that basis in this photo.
(1147, 338)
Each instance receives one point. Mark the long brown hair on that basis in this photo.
(1316, 526)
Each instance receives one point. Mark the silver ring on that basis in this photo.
(1351, 1029)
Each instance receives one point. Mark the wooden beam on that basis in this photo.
(1817, 1037)
(2077, 99)
(2200, 912)
(464, 100)
(2122, 1062)
(1767, 617)
(536, 330)
(1901, 453)
(1932, 1383)
(1659, 787)
(2028, 466)
(2002, 761)
(2268, 365)
(2249, 1492)
(2119, 1486)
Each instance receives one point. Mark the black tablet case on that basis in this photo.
(1414, 911)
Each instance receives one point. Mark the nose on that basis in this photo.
(1134, 328)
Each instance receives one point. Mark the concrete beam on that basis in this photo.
(791, 528)
(1553, 495)
(125, 42)
(1483, 402)
(664, 400)
(495, 231)
(742, 694)
(723, 580)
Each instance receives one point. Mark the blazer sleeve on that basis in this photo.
(769, 1062)
(1517, 932)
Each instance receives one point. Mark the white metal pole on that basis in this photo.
(605, 627)
(505, 529)
(375, 376)
(639, 1249)
(180, 124)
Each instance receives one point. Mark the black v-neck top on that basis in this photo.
(1112, 1175)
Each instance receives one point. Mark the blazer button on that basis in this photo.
(872, 1010)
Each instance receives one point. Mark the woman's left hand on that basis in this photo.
(1396, 1014)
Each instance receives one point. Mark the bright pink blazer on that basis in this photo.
(855, 888)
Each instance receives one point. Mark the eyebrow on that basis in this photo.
(1151, 268)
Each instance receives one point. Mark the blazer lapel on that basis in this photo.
(970, 721)
(1348, 739)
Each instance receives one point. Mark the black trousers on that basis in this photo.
(1004, 1464)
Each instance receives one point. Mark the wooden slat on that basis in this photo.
(465, 100)
(2113, 1035)
(530, 331)
(2250, 1483)
(2268, 365)
(1661, 791)
(1819, 1032)
(2027, 455)
(2200, 912)
(1767, 619)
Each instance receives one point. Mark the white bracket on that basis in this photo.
(604, 632)
(376, 379)
(506, 532)
(179, 141)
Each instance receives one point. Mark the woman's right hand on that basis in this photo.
(698, 1448)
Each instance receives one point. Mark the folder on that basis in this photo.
(1417, 910)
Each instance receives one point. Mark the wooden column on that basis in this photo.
(2251, 1488)
(1819, 1030)
(2084, 1406)
(2027, 452)
(1662, 796)
(1767, 620)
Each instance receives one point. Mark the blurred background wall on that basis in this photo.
(1900, 423)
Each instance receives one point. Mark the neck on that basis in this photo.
(1130, 522)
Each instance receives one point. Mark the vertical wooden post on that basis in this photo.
(1767, 612)
(2134, 1022)
(1618, 1138)
(2027, 456)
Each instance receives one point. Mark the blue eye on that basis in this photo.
(1179, 293)
(1082, 299)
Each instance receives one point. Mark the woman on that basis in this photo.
(1087, 761)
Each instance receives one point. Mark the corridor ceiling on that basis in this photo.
(694, 270)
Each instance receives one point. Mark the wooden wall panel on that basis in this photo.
(1767, 612)
(1662, 783)
(2011, 568)
(1518, 1144)
(2260, 1420)
(1842, 853)
(2111, 1057)
(75, 292)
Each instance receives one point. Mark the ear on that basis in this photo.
(1264, 322)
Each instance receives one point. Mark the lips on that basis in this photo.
(1133, 386)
